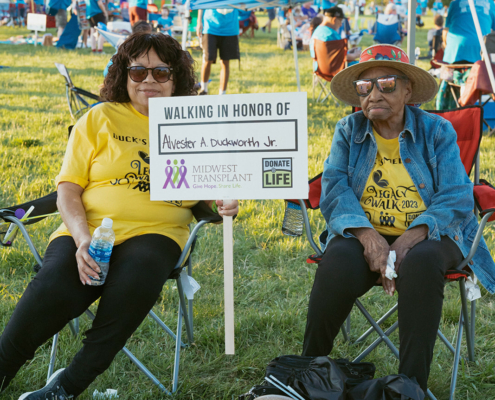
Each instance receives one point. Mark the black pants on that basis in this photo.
(343, 275)
(138, 269)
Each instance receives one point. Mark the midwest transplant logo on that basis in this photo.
(175, 175)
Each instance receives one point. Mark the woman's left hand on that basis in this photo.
(229, 209)
(407, 241)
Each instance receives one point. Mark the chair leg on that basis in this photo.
(190, 302)
(379, 322)
(136, 362)
(446, 342)
(377, 328)
(164, 326)
(145, 370)
(469, 340)
(457, 357)
(73, 328)
(473, 315)
(183, 307)
(344, 332)
(373, 345)
(53, 356)
(175, 378)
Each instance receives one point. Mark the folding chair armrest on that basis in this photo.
(86, 93)
(202, 212)
(42, 206)
(307, 227)
(476, 241)
(24, 232)
(484, 196)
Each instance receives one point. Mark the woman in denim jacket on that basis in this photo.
(394, 181)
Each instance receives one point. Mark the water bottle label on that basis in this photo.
(100, 255)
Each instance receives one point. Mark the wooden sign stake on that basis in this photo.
(228, 271)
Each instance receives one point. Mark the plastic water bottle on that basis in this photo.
(293, 220)
(100, 249)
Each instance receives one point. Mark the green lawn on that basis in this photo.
(272, 279)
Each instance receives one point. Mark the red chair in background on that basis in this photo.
(331, 59)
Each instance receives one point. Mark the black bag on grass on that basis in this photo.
(314, 378)
(391, 387)
(356, 372)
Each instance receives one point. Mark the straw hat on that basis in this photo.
(424, 86)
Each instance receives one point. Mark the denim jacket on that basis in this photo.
(435, 167)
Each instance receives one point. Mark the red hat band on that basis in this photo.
(384, 53)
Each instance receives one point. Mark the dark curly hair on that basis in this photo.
(168, 50)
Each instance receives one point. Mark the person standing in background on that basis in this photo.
(61, 21)
(96, 12)
(21, 12)
(218, 29)
(461, 42)
(138, 11)
(271, 17)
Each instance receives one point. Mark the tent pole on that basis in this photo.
(486, 56)
(356, 15)
(294, 47)
(411, 31)
(185, 24)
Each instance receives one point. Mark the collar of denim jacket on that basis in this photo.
(409, 126)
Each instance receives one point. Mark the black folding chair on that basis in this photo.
(79, 100)
(46, 206)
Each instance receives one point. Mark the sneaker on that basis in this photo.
(52, 391)
(263, 29)
(202, 93)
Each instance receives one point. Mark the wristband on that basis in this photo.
(214, 207)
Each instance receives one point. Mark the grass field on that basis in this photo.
(272, 279)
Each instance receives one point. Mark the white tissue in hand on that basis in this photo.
(390, 271)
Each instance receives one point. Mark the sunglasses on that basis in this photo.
(385, 84)
(160, 74)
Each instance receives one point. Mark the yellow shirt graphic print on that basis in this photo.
(390, 200)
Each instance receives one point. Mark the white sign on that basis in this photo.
(36, 22)
(248, 146)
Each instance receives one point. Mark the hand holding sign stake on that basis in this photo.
(228, 284)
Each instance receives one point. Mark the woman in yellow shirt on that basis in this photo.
(105, 173)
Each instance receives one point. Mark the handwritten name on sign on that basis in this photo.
(237, 146)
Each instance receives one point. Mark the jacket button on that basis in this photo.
(408, 160)
(421, 185)
(456, 237)
(471, 262)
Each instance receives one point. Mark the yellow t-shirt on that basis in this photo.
(107, 155)
(390, 200)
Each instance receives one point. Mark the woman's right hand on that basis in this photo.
(376, 250)
(85, 263)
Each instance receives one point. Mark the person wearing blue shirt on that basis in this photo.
(218, 29)
(138, 11)
(308, 11)
(165, 21)
(437, 7)
(328, 31)
(96, 12)
(461, 42)
(271, 17)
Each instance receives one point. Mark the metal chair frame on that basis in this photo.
(74, 95)
(324, 90)
(185, 311)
